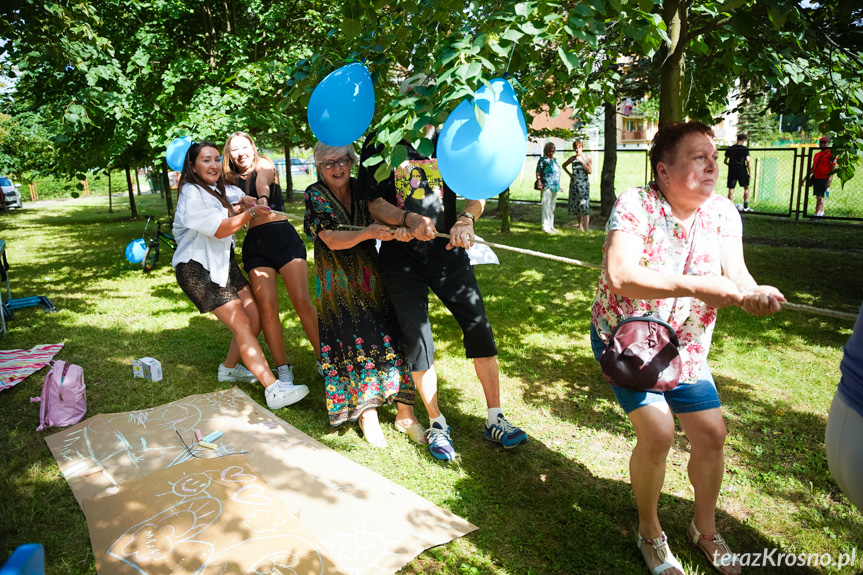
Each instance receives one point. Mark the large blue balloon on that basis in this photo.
(135, 250)
(342, 105)
(176, 153)
(481, 161)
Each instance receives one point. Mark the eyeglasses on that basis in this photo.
(330, 164)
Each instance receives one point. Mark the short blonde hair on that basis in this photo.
(324, 152)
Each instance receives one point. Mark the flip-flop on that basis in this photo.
(416, 432)
(663, 552)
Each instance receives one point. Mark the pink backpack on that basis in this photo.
(64, 398)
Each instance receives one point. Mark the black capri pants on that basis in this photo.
(409, 275)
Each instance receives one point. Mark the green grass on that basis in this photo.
(562, 503)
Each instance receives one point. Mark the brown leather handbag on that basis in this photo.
(642, 355)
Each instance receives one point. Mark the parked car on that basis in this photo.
(299, 166)
(10, 193)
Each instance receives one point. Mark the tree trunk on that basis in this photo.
(289, 177)
(166, 184)
(138, 181)
(132, 205)
(609, 161)
(503, 205)
(675, 14)
(110, 199)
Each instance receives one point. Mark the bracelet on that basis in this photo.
(405, 218)
(266, 198)
(469, 216)
(252, 212)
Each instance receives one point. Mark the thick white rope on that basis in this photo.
(785, 305)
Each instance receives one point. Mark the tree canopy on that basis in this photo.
(109, 83)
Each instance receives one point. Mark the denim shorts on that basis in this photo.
(685, 398)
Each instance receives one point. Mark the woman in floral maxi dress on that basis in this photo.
(360, 336)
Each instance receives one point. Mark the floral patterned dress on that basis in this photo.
(645, 213)
(360, 338)
(579, 191)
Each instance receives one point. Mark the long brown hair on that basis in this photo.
(189, 176)
(231, 171)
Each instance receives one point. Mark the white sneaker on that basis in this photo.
(282, 394)
(320, 369)
(286, 373)
(239, 373)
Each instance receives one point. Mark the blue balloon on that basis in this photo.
(176, 153)
(481, 161)
(342, 105)
(135, 251)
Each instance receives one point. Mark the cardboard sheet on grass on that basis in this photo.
(366, 523)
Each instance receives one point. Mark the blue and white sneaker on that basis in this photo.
(440, 444)
(505, 433)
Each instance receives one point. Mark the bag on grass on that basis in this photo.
(64, 398)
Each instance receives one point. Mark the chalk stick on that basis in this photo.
(213, 436)
(198, 435)
(90, 471)
(208, 445)
(80, 466)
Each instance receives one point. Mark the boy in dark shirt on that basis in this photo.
(737, 160)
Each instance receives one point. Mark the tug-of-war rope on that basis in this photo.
(785, 305)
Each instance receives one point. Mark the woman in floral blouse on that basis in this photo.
(650, 235)
(360, 338)
(548, 182)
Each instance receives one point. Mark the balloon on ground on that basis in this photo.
(342, 105)
(480, 161)
(175, 155)
(135, 251)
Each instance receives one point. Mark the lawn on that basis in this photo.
(560, 504)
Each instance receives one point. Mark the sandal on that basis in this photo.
(663, 552)
(375, 441)
(720, 556)
(416, 432)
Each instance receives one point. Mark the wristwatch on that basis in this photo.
(469, 216)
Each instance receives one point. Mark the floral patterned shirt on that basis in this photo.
(548, 171)
(645, 213)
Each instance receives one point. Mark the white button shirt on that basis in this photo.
(198, 216)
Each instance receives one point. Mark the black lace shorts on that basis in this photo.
(272, 245)
(207, 295)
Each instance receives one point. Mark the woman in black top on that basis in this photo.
(272, 248)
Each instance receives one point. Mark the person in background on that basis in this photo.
(361, 341)
(820, 176)
(272, 249)
(548, 180)
(845, 421)
(419, 261)
(739, 168)
(579, 185)
(655, 233)
(208, 214)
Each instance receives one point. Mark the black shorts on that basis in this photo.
(450, 276)
(819, 187)
(272, 245)
(735, 178)
(194, 280)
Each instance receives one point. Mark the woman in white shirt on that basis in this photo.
(208, 215)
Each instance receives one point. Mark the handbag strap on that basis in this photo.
(694, 229)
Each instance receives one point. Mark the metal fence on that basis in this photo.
(778, 183)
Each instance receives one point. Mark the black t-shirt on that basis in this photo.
(417, 187)
(737, 155)
(249, 187)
